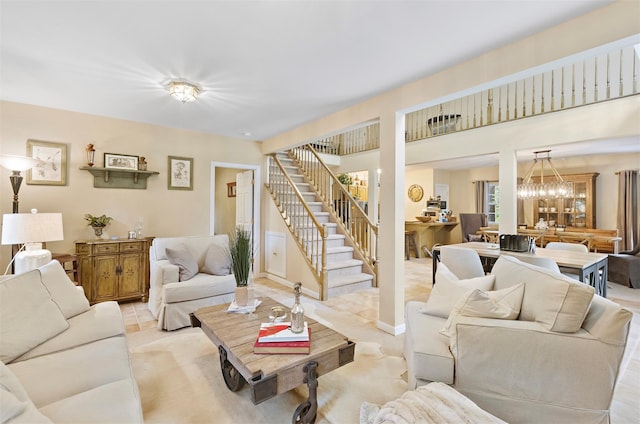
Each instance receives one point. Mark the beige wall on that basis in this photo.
(165, 212)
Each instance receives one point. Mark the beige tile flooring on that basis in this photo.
(364, 304)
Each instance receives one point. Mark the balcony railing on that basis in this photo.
(595, 79)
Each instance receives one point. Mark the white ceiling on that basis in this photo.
(263, 66)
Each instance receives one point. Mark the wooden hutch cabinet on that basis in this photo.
(577, 212)
(114, 269)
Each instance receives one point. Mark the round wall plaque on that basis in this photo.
(415, 193)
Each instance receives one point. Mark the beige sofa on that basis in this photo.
(553, 357)
(62, 361)
(182, 277)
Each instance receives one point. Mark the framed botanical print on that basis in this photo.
(180, 173)
(52, 166)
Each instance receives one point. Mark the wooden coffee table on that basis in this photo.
(269, 375)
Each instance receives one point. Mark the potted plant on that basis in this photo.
(98, 223)
(241, 251)
(345, 179)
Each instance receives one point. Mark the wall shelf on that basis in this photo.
(118, 178)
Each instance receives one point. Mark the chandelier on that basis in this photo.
(553, 188)
(183, 91)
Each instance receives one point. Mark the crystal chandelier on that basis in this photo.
(183, 91)
(551, 189)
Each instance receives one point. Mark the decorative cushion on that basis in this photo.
(184, 260)
(28, 315)
(64, 293)
(448, 290)
(475, 237)
(558, 302)
(500, 304)
(218, 260)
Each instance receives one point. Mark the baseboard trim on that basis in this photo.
(395, 331)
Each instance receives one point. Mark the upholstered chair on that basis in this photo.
(464, 263)
(624, 268)
(470, 223)
(547, 263)
(574, 247)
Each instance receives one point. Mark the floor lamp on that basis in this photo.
(30, 230)
(16, 164)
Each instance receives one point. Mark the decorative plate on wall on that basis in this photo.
(415, 193)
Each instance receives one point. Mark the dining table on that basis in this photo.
(591, 267)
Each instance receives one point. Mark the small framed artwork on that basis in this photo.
(118, 161)
(231, 189)
(52, 166)
(180, 173)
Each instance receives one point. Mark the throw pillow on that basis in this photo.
(184, 260)
(500, 304)
(475, 237)
(28, 315)
(217, 260)
(64, 293)
(558, 302)
(448, 290)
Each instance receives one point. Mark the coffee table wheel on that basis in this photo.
(232, 377)
(301, 414)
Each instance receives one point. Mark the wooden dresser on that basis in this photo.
(114, 269)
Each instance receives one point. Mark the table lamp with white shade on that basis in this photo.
(31, 229)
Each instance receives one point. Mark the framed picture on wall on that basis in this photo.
(52, 166)
(117, 161)
(231, 189)
(180, 173)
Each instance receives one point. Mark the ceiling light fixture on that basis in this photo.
(544, 190)
(183, 91)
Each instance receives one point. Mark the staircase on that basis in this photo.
(329, 250)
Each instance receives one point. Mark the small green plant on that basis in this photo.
(241, 252)
(345, 179)
(98, 221)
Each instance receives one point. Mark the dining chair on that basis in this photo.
(624, 268)
(470, 223)
(547, 263)
(463, 262)
(574, 247)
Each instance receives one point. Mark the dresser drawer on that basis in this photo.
(105, 248)
(83, 249)
(134, 246)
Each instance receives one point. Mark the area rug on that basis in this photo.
(180, 382)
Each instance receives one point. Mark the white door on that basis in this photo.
(244, 200)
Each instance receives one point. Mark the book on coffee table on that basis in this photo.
(281, 332)
(299, 347)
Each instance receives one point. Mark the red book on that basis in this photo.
(300, 347)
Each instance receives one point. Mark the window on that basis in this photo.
(492, 202)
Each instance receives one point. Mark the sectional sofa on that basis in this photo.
(62, 360)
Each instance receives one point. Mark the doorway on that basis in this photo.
(222, 210)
